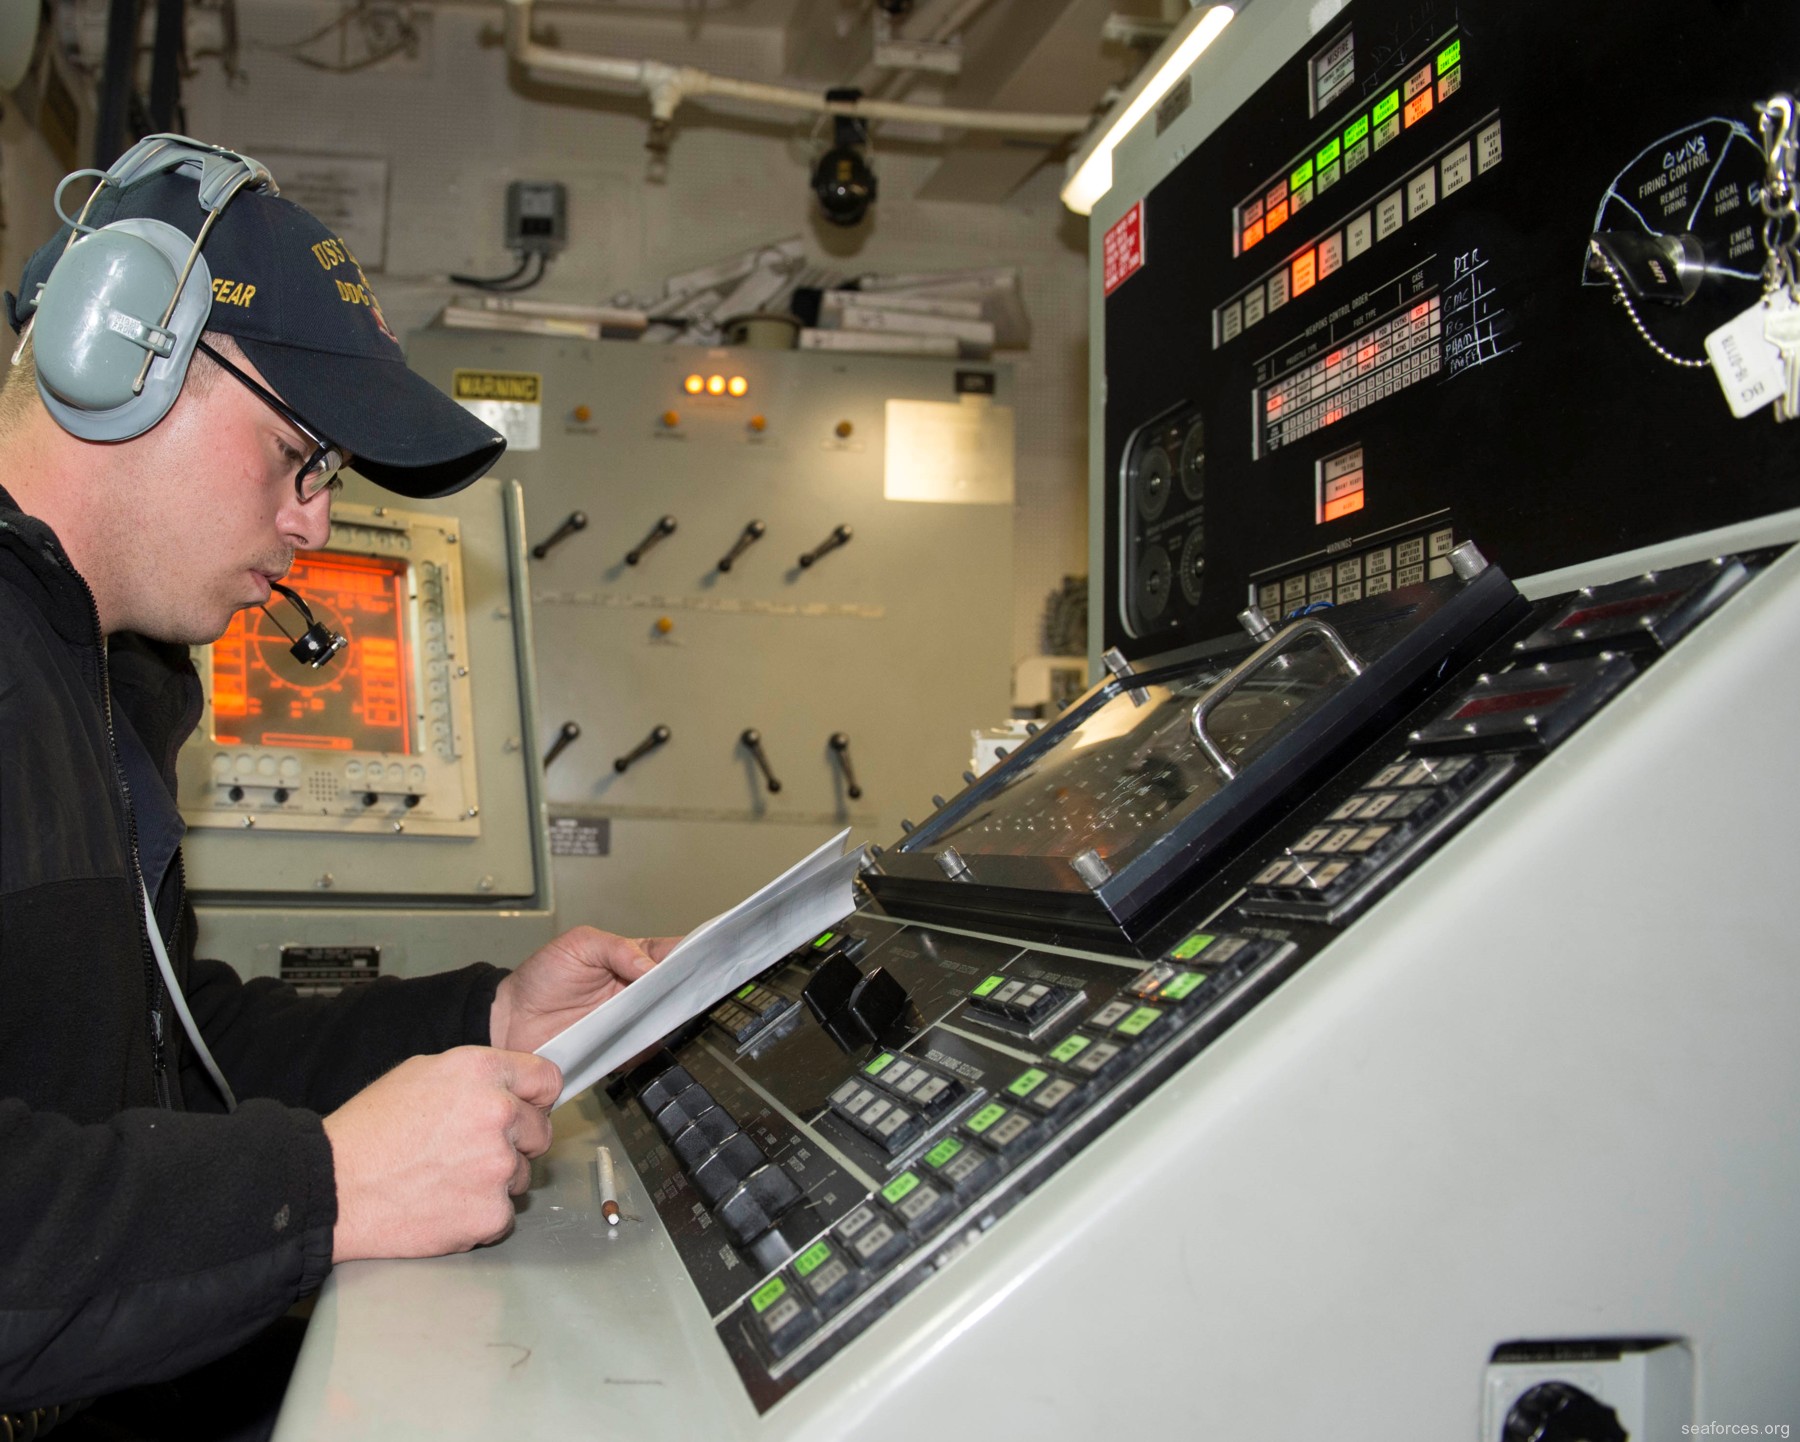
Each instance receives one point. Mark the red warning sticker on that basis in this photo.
(1122, 251)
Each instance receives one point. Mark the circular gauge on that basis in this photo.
(1193, 461)
(1150, 587)
(1698, 188)
(1193, 565)
(1150, 482)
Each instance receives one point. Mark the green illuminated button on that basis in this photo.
(991, 984)
(940, 1155)
(1357, 130)
(1302, 174)
(880, 1064)
(986, 1117)
(824, 940)
(897, 1189)
(1070, 1047)
(1389, 104)
(768, 1294)
(1192, 947)
(1449, 55)
(1184, 986)
(811, 1259)
(745, 990)
(1329, 154)
(1139, 1021)
(1028, 1082)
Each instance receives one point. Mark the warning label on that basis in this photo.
(520, 386)
(1123, 248)
(509, 401)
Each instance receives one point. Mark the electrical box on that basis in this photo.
(537, 216)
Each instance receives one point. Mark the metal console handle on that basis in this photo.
(1255, 661)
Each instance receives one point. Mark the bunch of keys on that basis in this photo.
(1756, 357)
(1781, 248)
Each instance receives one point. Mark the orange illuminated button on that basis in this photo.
(844, 429)
(738, 386)
(671, 419)
(715, 385)
(583, 415)
(693, 385)
(759, 423)
(664, 625)
(1306, 271)
(1418, 107)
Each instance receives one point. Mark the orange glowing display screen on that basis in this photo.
(362, 701)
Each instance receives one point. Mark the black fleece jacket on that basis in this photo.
(143, 1232)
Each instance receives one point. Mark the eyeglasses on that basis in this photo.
(319, 470)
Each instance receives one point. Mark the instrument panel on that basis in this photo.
(1378, 311)
(844, 1128)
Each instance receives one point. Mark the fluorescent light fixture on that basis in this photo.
(1091, 170)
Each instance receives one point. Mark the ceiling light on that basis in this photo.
(1091, 169)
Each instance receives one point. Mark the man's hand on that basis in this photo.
(565, 980)
(429, 1158)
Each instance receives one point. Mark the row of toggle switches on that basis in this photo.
(747, 1192)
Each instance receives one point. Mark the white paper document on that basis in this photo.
(712, 961)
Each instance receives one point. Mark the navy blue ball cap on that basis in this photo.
(292, 295)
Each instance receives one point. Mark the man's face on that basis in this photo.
(211, 517)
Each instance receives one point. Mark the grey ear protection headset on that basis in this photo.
(116, 322)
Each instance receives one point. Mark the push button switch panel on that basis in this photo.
(1332, 869)
(1018, 1003)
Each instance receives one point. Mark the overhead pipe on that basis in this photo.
(668, 85)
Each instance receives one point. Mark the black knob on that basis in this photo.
(236, 793)
(281, 795)
(561, 744)
(840, 744)
(412, 800)
(664, 527)
(370, 798)
(839, 537)
(1557, 1412)
(657, 736)
(752, 534)
(577, 522)
(752, 742)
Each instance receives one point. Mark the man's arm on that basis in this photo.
(135, 1249)
(318, 1052)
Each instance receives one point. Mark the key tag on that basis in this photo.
(1747, 363)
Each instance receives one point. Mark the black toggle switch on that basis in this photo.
(878, 1003)
(657, 736)
(695, 1142)
(839, 537)
(752, 742)
(758, 1204)
(752, 534)
(1667, 268)
(570, 730)
(720, 1174)
(577, 522)
(828, 994)
(840, 743)
(664, 527)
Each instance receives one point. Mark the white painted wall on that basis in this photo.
(455, 129)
